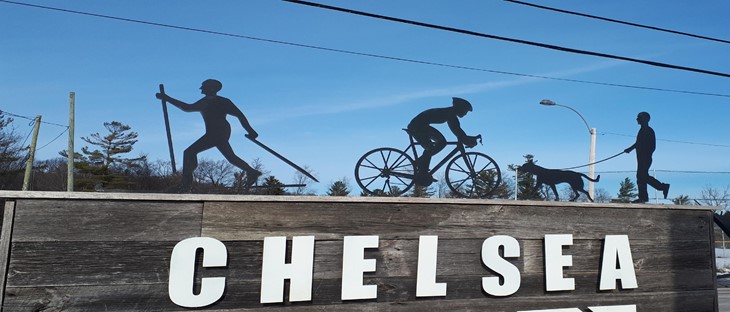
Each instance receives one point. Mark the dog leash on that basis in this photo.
(593, 163)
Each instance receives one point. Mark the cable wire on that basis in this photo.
(29, 118)
(520, 41)
(32, 123)
(372, 55)
(595, 162)
(672, 141)
(619, 21)
(54, 139)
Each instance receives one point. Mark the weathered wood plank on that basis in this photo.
(101, 254)
(111, 196)
(254, 220)
(89, 263)
(84, 220)
(6, 233)
(111, 263)
(154, 298)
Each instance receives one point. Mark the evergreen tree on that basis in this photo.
(422, 191)
(339, 188)
(527, 183)
(380, 193)
(105, 166)
(626, 192)
(272, 186)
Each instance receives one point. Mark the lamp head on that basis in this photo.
(547, 103)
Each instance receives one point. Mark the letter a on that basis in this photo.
(617, 248)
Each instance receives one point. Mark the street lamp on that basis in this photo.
(592, 132)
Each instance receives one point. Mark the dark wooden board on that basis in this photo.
(98, 220)
(95, 254)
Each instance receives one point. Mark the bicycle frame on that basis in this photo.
(459, 148)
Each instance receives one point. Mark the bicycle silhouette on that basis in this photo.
(388, 171)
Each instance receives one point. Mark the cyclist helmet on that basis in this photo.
(462, 105)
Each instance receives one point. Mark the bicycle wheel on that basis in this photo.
(473, 175)
(385, 172)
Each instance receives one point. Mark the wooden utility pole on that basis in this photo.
(71, 153)
(31, 154)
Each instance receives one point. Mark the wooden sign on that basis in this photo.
(123, 252)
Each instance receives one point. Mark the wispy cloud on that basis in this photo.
(397, 99)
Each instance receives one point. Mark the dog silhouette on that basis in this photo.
(552, 177)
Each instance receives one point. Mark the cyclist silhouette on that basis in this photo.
(431, 139)
(214, 110)
(645, 146)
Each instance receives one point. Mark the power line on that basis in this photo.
(619, 21)
(520, 41)
(54, 139)
(672, 141)
(372, 55)
(29, 133)
(665, 171)
(29, 118)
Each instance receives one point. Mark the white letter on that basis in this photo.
(426, 285)
(621, 308)
(182, 272)
(353, 265)
(299, 272)
(492, 259)
(617, 247)
(555, 261)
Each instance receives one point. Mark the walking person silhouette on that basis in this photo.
(645, 146)
(432, 140)
(214, 109)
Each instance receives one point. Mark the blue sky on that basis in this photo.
(325, 109)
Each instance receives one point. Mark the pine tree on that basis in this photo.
(105, 167)
(527, 183)
(422, 191)
(626, 192)
(272, 186)
(339, 188)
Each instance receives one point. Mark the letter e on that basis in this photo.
(354, 265)
(555, 261)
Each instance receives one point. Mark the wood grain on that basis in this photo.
(95, 253)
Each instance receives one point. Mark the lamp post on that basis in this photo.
(592, 132)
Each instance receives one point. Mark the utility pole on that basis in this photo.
(70, 152)
(31, 154)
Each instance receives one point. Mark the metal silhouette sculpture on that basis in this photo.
(389, 171)
(645, 145)
(214, 109)
(432, 141)
(552, 177)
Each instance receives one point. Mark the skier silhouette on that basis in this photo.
(214, 109)
(645, 146)
(432, 140)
